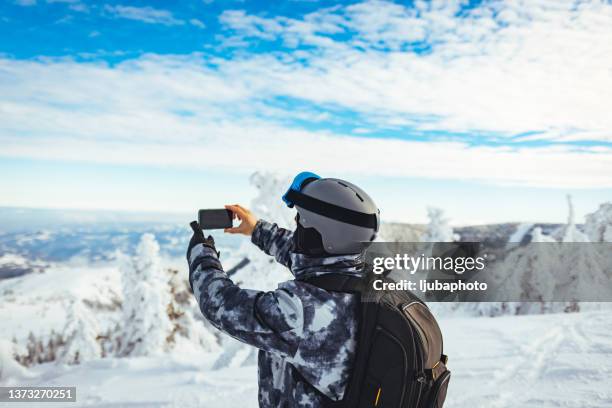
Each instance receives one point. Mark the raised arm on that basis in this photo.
(271, 321)
(269, 237)
(274, 241)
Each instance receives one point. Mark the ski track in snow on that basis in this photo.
(537, 361)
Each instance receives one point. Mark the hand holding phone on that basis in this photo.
(248, 220)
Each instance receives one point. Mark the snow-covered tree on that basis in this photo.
(81, 334)
(438, 229)
(528, 274)
(598, 225)
(268, 204)
(571, 233)
(55, 346)
(146, 296)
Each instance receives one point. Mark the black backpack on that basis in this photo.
(399, 361)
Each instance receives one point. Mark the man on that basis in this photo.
(306, 335)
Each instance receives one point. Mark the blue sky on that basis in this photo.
(490, 110)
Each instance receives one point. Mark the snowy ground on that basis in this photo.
(562, 360)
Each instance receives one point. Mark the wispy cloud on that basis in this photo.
(148, 15)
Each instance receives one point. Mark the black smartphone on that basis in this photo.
(215, 219)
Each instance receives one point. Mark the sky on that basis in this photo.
(493, 111)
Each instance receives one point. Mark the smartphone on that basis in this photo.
(215, 219)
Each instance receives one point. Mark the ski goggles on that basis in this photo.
(299, 182)
(294, 196)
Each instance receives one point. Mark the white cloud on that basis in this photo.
(145, 14)
(508, 67)
(548, 72)
(136, 113)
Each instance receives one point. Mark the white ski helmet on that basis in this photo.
(343, 214)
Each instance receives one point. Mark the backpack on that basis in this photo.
(399, 361)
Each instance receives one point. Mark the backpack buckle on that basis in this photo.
(422, 378)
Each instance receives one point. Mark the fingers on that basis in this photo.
(236, 210)
(246, 219)
(239, 211)
(235, 230)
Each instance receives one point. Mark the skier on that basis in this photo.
(307, 336)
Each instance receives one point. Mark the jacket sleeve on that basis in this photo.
(271, 321)
(274, 241)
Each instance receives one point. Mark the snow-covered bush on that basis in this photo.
(81, 334)
(598, 225)
(39, 349)
(146, 296)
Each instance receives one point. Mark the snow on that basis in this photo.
(37, 302)
(571, 233)
(9, 368)
(82, 331)
(146, 295)
(556, 360)
(13, 259)
(530, 361)
(598, 225)
(538, 236)
(551, 360)
(520, 232)
(163, 381)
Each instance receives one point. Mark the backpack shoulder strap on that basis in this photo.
(334, 282)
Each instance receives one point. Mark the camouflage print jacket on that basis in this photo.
(306, 335)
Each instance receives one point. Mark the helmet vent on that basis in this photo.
(359, 197)
(342, 184)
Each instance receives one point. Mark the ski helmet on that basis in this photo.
(344, 215)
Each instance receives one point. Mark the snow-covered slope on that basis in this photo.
(38, 302)
(553, 360)
(562, 360)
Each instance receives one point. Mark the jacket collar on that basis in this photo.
(304, 267)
